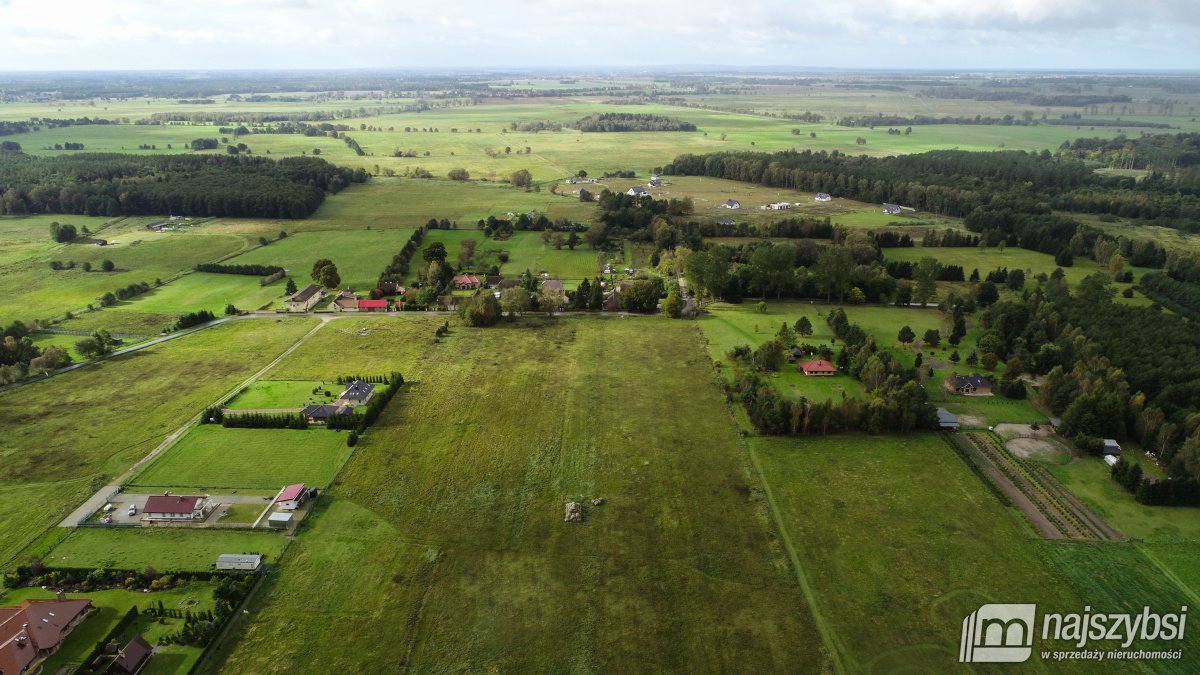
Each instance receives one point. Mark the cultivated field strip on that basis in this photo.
(1044, 502)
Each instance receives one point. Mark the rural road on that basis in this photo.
(100, 497)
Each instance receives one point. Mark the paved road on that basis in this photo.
(167, 442)
(92, 505)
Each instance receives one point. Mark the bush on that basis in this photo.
(352, 439)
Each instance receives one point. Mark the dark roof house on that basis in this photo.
(968, 384)
(131, 657)
(358, 392)
(891, 209)
(35, 629)
(320, 414)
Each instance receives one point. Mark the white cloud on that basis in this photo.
(147, 34)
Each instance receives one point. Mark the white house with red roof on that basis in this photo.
(177, 507)
(291, 497)
(467, 282)
(817, 367)
(368, 305)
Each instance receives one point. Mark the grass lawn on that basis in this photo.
(211, 457)
(899, 541)
(526, 251)
(269, 394)
(119, 319)
(195, 596)
(451, 515)
(360, 254)
(53, 461)
(242, 513)
(203, 290)
(164, 549)
(1090, 479)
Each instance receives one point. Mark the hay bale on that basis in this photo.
(574, 513)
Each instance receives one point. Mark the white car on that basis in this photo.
(132, 509)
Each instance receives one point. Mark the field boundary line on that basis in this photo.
(174, 436)
(832, 644)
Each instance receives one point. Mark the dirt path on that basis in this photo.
(174, 436)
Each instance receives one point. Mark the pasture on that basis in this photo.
(525, 251)
(165, 549)
(33, 291)
(451, 514)
(360, 255)
(213, 458)
(204, 290)
(119, 409)
(943, 543)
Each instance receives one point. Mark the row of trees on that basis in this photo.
(614, 121)
(249, 269)
(198, 185)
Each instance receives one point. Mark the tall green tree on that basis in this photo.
(925, 275)
(833, 270)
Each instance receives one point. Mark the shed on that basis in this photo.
(291, 497)
(235, 561)
(1111, 460)
(947, 420)
(279, 521)
(1111, 447)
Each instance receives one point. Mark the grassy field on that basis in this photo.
(164, 549)
(202, 290)
(359, 255)
(118, 411)
(266, 394)
(526, 251)
(451, 515)
(940, 545)
(195, 596)
(119, 319)
(32, 291)
(1090, 479)
(211, 457)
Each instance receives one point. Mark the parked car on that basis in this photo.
(133, 509)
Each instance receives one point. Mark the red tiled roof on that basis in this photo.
(170, 504)
(466, 279)
(818, 366)
(372, 304)
(290, 492)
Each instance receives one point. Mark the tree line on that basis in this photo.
(250, 269)
(114, 184)
(616, 121)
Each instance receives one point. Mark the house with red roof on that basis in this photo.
(467, 282)
(34, 629)
(177, 507)
(368, 305)
(291, 497)
(817, 367)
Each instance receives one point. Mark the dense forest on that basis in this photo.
(114, 184)
(632, 122)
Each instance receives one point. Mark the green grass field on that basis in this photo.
(526, 251)
(202, 290)
(939, 546)
(118, 410)
(210, 457)
(359, 255)
(195, 596)
(451, 515)
(33, 291)
(165, 549)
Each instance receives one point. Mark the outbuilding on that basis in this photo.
(291, 497)
(947, 421)
(1112, 447)
(279, 521)
(239, 562)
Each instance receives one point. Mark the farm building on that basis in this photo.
(823, 197)
(357, 393)
(234, 561)
(891, 209)
(279, 521)
(346, 301)
(947, 421)
(320, 414)
(368, 305)
(969, 385)
(779, 206)
(493, 280)
(817, 367)
(725, 221)
(466, 282)
(291, 497)
(177, 507)
(552, 285)
(731, 204)
(305, 299)
(1111, 447)
(637, 191)
(654, 182)
(132, 657)
(35, 629)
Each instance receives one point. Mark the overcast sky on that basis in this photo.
(943, 34)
